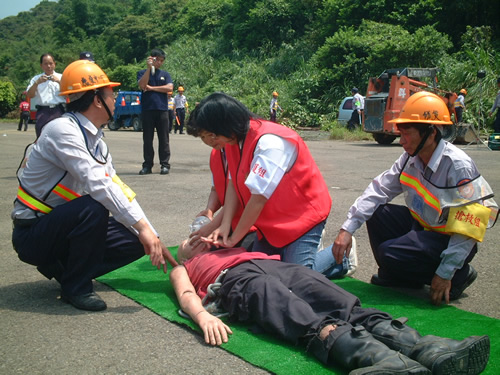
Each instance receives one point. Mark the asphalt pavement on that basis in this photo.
(42, 335)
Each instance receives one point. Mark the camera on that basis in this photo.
(49, 78)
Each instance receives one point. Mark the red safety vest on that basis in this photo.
(301, 200)
(220, 177)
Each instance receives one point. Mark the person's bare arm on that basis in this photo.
(214, 330)
(248, 218)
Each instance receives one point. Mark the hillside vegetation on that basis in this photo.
(310, 51)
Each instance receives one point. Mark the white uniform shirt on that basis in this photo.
(447, 167)
(47, 93)
(180, 101)
(61, 151)
(358, 98)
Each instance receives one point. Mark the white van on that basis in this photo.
(345, 110)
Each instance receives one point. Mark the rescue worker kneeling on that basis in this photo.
(449, 205)
(67, 189)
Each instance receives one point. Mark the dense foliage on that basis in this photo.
(310, 51)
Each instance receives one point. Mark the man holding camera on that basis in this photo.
(44, 88)
(155, 84)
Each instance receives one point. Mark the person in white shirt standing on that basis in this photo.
(358, 106)
(67, 190)
(44, 89)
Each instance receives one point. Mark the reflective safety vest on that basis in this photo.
(39, 205)
(171, 104)
(459, 102)
(446, 209)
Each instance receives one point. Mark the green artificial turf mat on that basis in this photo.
(151, 288)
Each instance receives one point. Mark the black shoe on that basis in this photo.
(90, 301)
(145, 171)
(164, 170)
(456, 291)
(181, 133)
(377, 280)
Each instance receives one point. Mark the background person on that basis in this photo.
(301, 306)
(44, 90)
(154, 88)
(358, 105)
(434, 237)
(24, 108)
(460, 105)
(496, 105)
(87, 56)
(274, 106)
(171, 110)
(181, 105)
(67, 190)
(274, 179)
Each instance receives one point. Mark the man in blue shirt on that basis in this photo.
(155, 84)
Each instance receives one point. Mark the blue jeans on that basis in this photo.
(304, 251)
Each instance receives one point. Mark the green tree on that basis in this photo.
(7, 97)
(358, 53)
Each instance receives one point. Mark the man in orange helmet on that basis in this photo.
(431, 240)
(67, 190)
(460, 105)
(274, 106)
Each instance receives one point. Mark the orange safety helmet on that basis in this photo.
(275, 93)
(424, 108)
(83, 75)
(180, 88)
(463, 91)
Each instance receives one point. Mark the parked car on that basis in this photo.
(345, 110)
(127, 111)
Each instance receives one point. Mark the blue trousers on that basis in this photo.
(81, 237)
(404, 250)
(305, 250)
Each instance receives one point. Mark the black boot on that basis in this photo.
(441, 355)
(357, 350)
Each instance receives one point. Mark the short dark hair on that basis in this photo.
(45, 55)
(83, 103)
(158, 53)
(220, 114)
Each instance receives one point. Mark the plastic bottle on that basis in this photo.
(198, 223)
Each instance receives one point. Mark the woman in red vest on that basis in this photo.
(275, 180)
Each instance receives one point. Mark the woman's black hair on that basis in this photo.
(220, 114)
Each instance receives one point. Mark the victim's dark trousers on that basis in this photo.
(406, 252)
(158, 120)
(291, 301)
(83, 238)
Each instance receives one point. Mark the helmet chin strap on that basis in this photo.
(424, 139)
(110, 116)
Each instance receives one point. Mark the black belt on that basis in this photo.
(25, 222)
(49, 106)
